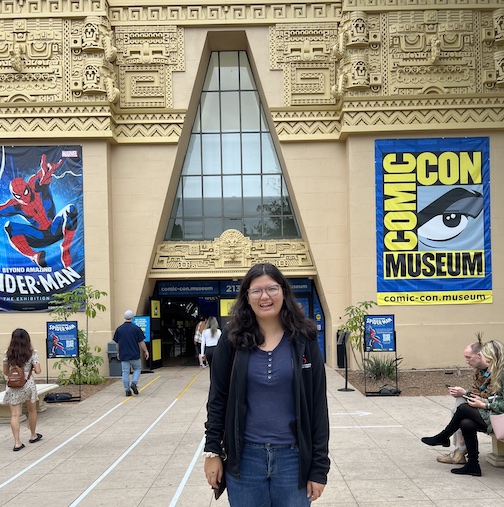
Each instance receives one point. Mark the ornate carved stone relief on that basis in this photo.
(31, 54)
(419, 53)
(295, 124)
(230, 255)
(303, 52)
(214, 14)
(55, 60)
(147, 56)
(92, 53)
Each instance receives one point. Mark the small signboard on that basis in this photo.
(379, 333)
(143, 322)
(62, 339)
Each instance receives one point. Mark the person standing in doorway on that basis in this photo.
(129, 340)
(209, 340)
(21, 353)
(198, 333)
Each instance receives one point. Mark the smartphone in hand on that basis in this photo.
(467, 396)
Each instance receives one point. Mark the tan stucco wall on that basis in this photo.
(128, 196)
(430, 336)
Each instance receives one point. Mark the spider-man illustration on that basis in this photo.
(56, 345)
(39, 225)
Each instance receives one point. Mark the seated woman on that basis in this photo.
(474, 415)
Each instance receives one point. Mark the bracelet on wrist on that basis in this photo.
(207, 454)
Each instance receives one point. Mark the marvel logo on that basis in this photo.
(69, 153)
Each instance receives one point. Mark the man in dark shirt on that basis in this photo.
(129, 340)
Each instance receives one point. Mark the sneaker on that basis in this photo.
(454, 458)
(128, 393)
(134, 388)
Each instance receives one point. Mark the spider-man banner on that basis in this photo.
(433, 221)
(41, 219)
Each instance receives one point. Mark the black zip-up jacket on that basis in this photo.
(227, 406)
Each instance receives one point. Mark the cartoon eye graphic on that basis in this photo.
(448, 216)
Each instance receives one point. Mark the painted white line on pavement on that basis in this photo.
(127, 451)
(187, 474)
(120, 458)
(35, 463)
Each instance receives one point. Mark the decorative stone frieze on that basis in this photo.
(300, 124)
(147, 57)
(230, 255)
(304, 53)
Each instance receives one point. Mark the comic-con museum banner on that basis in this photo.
(41, 220)
(433, 221)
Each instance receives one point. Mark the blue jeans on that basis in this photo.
(137, 369)
(268, 478)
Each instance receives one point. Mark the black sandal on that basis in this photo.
(33, 440)
(15, 449)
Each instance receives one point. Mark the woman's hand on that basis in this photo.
(456, 391)
(476, 401)
(213, 471)
(314, 490)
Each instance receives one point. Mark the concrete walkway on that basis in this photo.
(146, 451)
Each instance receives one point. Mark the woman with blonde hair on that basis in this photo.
(474, 415)
(21, 353)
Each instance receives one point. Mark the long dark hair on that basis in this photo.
(20, 348)
(243, 328)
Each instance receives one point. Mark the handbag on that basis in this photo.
(497, 421)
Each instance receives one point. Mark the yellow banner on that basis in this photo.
(466, 297)
(225, 307)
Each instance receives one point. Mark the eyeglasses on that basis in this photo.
(271, 291)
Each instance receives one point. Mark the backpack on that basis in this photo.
(15, 377)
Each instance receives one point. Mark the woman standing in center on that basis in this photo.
(268, 400)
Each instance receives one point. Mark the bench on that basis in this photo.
(42, 389)
(496, 457)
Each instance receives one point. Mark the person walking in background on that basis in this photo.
(474, 415)
(268, 399)
(481, 381)
(129, 340)
(209, 340)
(21, 353)
(198, 332)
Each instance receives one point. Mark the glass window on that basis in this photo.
(250, 111)
(231, 176)
(246, 78)
(212, 76)
(192, 196)
(213, 228)
(193, 229)
(192, 162)
(231, 154)
(229, 70)
(230, 111)
(211, 152)
(210, 117)
(251, 151)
